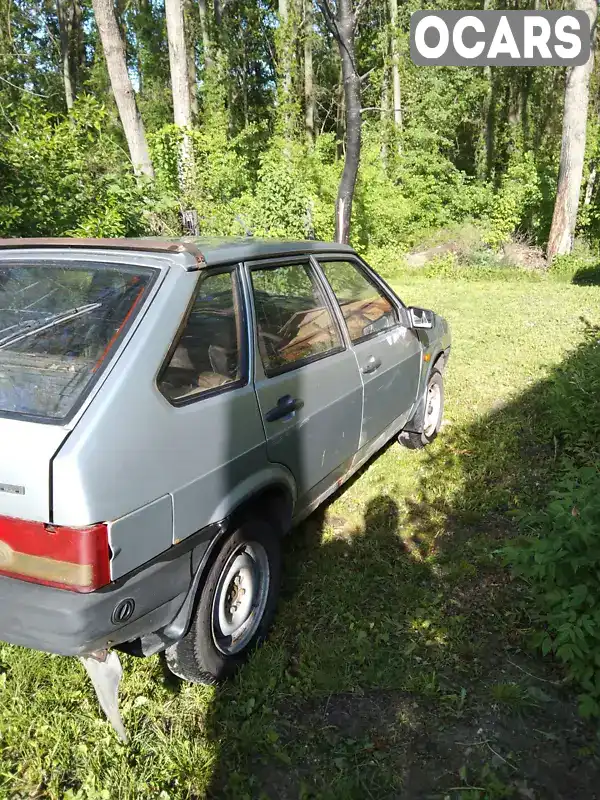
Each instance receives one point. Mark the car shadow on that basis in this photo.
(399, 663)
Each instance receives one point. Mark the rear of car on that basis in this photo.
(61, 324)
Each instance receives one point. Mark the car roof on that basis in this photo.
(206, 251)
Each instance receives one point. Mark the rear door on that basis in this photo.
(388, 353)
(307, 380)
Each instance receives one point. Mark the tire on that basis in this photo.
(432, 415)
(248, 566)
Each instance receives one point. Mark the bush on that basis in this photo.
(560, 555)
(519, 193)
(67, 176)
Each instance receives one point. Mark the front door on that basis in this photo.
(307, 380)
(388, 353)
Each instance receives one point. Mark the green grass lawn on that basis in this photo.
(399, 663)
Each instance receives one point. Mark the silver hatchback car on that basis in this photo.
(169, 409)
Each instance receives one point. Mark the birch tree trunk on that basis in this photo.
(65, 11)
(309, 87)
(577, 94)
(180, 87)
(114, 53)
(396, 70)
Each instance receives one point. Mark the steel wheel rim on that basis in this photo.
(433, 405)
(240, 598)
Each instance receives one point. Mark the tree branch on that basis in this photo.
(359, 7)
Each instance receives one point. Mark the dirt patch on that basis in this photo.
(545, 751)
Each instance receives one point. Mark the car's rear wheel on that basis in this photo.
(432, 415)
(235, 608)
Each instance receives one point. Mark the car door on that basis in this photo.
(307, 380)
(388, 353)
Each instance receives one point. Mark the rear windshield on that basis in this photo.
(59, 326)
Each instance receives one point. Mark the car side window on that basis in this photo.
(207, 356)
(293, 319)
(366, 309)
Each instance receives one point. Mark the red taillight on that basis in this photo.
(69, 558)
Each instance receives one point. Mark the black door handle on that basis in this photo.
(286, 405)
(371, 365)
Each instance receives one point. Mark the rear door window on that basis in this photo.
(60, 324)
(207, 357)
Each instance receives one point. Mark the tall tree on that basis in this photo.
(180, 86)
(205, 33)
(309, 81)
(114, 53)
(190, 48)
(65, 11)
(577, 95)
(397, 94)
(341, 20)
(285, 57)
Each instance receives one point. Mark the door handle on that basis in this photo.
(286, 405)
(372, 365)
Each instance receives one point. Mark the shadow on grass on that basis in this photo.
(587, 276)
(398, 665)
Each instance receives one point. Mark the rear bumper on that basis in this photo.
(68, 623)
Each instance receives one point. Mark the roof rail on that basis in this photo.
(144, 245)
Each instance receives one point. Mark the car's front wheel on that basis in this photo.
(235, 608)
(432, 415)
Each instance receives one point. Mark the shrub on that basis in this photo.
(560, 555)
(518, 195)
(61, 176)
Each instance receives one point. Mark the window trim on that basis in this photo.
(242, 331)
(372, 278)
(315, 273)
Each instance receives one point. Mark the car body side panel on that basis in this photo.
(221, 445)
(151, 526)
(390, 391)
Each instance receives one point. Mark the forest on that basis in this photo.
(219, 117)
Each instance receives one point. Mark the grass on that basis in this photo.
(399, 663)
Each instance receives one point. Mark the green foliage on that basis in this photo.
(66, 176)
(560, 556)
(518, 195)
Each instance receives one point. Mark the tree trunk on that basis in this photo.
(340, 130)
(78, 63)
(65, 10)
(589, 189)
(396, 70)
(383, 117)
(182, 107)
(343, 27)
(191, 58)
(577, 92)
(205, 33)
(114, 52)
(309, 87)
(284, 58)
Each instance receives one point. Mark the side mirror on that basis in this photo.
(421, 317)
